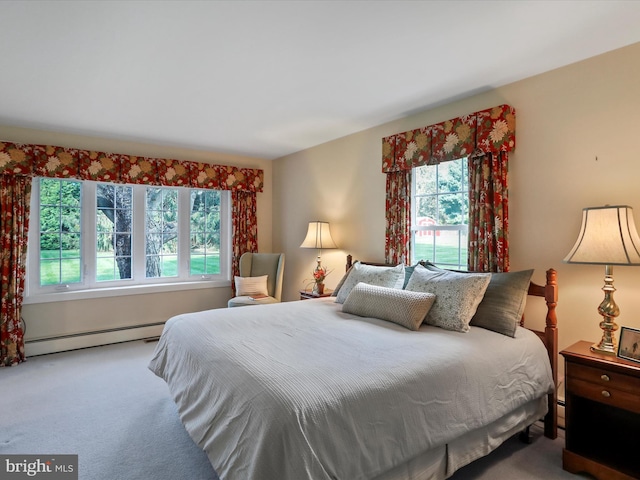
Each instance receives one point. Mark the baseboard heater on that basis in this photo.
(62, 343)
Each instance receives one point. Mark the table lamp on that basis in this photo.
(607, 237)
(318, 237)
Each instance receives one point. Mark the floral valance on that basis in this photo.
(61, 162)
(487, 131)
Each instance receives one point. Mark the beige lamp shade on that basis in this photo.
(318, 236)
(607, 236)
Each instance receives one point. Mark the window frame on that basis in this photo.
(90, 287)
(461, 228)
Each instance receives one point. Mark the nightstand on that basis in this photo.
(307, 294)
(602, 412)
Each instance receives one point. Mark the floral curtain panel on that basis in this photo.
(398, 217)
(487, 134)
(244, 228)
(488, 213)
(15, 192)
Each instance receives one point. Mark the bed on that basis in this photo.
(318, 389)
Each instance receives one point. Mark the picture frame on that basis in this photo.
(629, 345)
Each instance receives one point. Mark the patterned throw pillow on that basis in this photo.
(457, 295)
(251, 285)
(391, 304)
(392, 277)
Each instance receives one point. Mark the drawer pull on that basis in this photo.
(604, 377)
(605, 394)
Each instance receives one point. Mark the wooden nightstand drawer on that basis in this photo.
(604, 394)
(604, 377)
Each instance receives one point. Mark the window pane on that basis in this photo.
(161, 232)
(425, 180)
(71, 245)
(426, 208)
(205, 232)
(451, 210)
(50, 272)
(49, 245)
(71, 269)
(60, 231)
(169, 265)
(450, 177)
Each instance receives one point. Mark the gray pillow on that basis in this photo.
(457, 295)
(408, 271)
(403, 307)
(392, 277)
(503, 304)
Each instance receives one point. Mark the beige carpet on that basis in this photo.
(105, 405)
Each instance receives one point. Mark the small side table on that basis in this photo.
(602, 414)
(308, 294)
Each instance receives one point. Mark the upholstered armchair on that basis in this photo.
(252, 284)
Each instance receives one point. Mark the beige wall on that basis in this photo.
(63, 318)
(564, 120)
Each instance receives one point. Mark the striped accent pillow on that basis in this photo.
(403, 307)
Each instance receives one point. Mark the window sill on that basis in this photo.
(123, 291)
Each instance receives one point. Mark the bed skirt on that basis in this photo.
(442, 462)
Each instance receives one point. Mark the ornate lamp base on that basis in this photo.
(609, 310)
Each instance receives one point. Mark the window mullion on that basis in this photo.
(184, 242)
(88, 216)
(139, 244)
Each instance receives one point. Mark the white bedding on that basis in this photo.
(302, 391)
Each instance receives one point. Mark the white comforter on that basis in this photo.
(302, 391)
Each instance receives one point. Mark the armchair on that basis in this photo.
(257, 265)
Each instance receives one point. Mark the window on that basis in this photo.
(91, 236)
(114, 231)
(205, 232)
(440, 214)
(161, 221)
(60, 232)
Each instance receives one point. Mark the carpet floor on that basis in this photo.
(104, 405)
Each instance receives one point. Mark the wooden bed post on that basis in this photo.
(551, 342)
(550, 339)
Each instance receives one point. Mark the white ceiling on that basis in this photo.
(268, 78)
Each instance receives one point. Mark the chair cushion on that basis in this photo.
(246, 300)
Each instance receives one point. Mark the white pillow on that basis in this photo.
(403, 307)
(391, 277)
(457, 295)
(251, 285)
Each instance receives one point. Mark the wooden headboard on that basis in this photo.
(549, 336)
